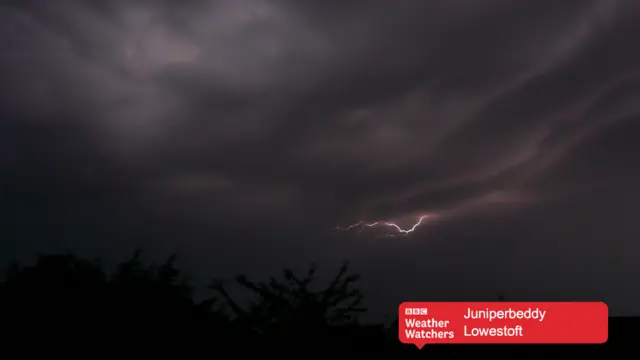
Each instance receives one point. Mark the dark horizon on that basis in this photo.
(142, 305)
(245, 136)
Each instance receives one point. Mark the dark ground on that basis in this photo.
(70, 304)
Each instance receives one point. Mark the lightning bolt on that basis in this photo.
(386, 224)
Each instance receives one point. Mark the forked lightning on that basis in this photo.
(395, 228)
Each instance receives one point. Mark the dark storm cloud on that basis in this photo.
(129, 120)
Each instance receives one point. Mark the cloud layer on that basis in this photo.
(215, 126)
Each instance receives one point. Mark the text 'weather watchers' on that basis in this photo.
(422, 323)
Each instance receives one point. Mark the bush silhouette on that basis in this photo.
(63, 291)
(289, 302)
(289, 310)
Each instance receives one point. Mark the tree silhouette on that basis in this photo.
(152, 289)
(53, 288)
(77, 293)
(288, 307)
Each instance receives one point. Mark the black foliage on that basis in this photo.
(66, 299)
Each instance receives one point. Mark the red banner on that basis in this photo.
(422, 323)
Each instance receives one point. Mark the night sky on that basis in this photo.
(240, 134)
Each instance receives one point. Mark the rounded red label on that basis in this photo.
(422, 323)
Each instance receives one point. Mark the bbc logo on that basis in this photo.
(416, 311)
